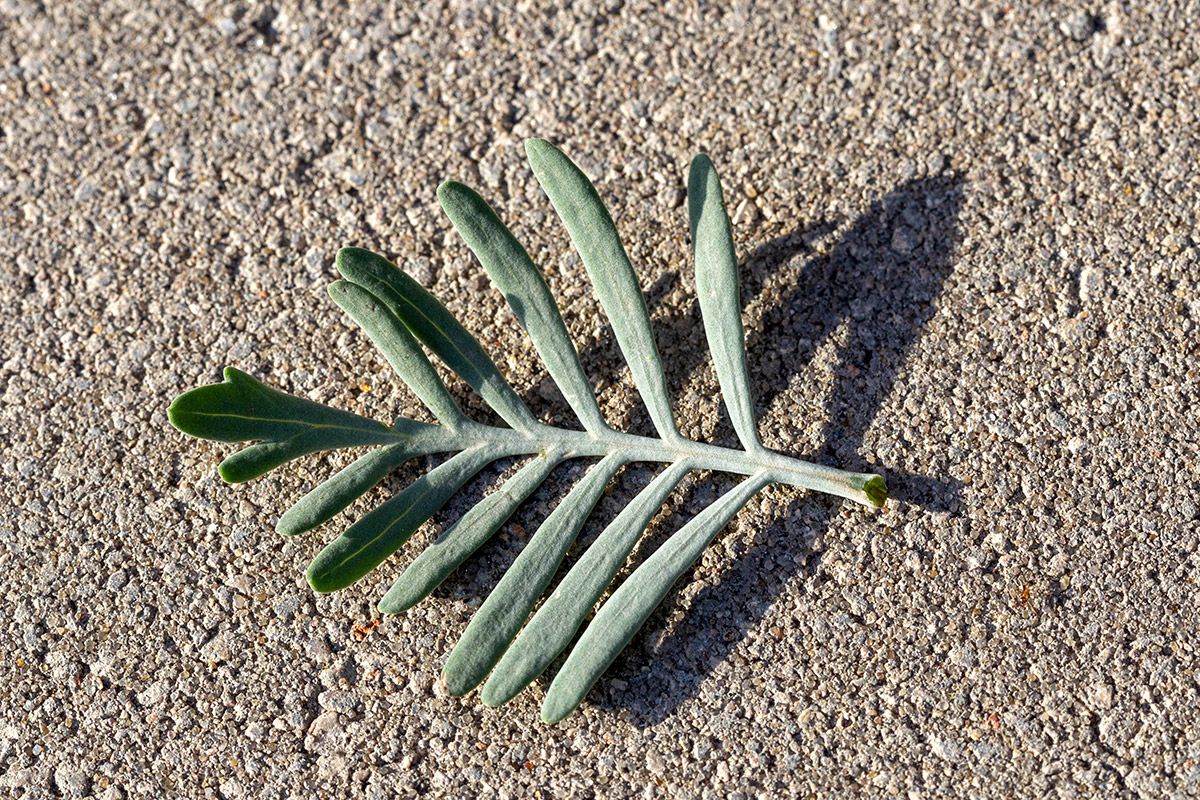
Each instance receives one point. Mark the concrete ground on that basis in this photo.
(971, 262)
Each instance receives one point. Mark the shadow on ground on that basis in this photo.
(884, 277)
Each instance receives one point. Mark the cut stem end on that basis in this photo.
(876, 491)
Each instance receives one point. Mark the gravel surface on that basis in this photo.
(971, 262)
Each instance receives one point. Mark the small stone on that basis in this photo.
(71, 780)
(1091, 284)
(340, 701)
(1058, 421)
(964, 655)
(85, 191)
(977, 559)
(325, 722)
(1100, 696)
(904, 240)
(219, 648)
(1078, 26)
(116, 581)
(857, 601)
(945, 747)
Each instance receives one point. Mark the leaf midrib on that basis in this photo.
(382, 429)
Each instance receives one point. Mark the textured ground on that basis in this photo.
(970, 262)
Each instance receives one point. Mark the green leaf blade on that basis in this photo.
(514, 274)
(434, 325)
(556, 622)
(436, 562)
(718, 291)
(243, 409)
(366, 543)
(595, 236)
(507, 607)
(628, 608)
(400, 349)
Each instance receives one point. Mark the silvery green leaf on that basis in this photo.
(332, 496)
(396, 313)
(632, 603)
(595, 236)
(560, 617)
(526, 291)
(399, 347)
(717, 289)
(437, 561)
(366, 543)
(507, 607)
(430, 322)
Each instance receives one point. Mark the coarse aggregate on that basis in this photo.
(970, 262)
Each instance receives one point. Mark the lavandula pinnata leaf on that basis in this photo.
(507, 607)
(556, 622)
(366, 543)
(399, 347)
(627, 609)
(437, 561)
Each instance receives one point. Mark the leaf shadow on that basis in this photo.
(883, 277)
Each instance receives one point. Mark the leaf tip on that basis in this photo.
(555, 712)
(537, 151)
(457, 684)
(349, 257)
(337, 286)
(286, 526)
(492, 697)
(318, 578)
(386, 606)
(229, 472)
(448, 189)
(175, 414)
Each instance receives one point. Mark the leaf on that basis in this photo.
(325, 501)
(595, 237)
(366, 543)
(244, 409)
(717, 289)
(559, 618)
(627, 609)
(399, 316)
(441, 558)
(430, 322)
(526, 291)
(509, 604)
(400, 349)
